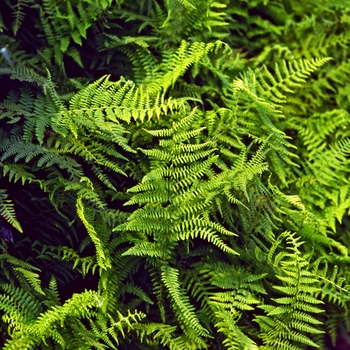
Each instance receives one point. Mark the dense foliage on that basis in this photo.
(175, 174)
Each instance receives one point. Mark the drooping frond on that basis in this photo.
(7, 211)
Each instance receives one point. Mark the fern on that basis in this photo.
(7, 210)
(156, 157)
(297, 305)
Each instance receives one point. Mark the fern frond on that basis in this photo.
(183, 309)
(300, 302)
(7, 210)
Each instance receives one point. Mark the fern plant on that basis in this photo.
(175, 174)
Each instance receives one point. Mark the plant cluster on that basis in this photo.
(175, 174)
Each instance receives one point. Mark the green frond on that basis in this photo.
(24, 74)
(183, 309)
(162, 334)
(235, 338)
(48, 324)
(7, 210)
(86, 264)
(86, 217)
(111, 329)
(20, 306)
(178, 172)
(16, 172)
(333, 288)
(301, 288)
(19, 14)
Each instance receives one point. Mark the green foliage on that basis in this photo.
(175, 173)
(7, 210)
